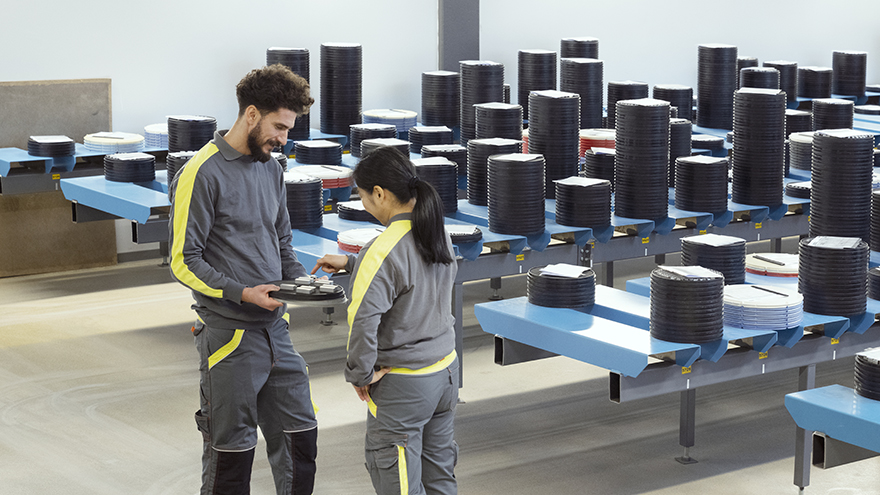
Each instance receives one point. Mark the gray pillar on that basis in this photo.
(459, 23)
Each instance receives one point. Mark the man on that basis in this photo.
(230, 238)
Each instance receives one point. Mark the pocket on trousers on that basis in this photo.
(203, 424)
(386, 462)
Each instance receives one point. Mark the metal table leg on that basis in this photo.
(687, 424)
(804, 438)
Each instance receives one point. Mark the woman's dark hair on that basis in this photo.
(271, 88)
(389, 169)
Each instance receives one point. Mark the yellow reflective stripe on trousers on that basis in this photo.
(182, 200)
(370, 265)
(372, 405)
(401, 470)
(427, 370)
(226, 350)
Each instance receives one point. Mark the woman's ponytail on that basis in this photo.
(389, 169)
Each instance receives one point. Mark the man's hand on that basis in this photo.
(331, 263)
(364, 392)
(259, 295)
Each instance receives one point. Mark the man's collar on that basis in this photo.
(228, 152)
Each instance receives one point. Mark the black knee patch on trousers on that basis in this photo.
(304, 451)
(233, 472)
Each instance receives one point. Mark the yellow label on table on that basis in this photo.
(646, 240)
(56, 176)
(520, 257)
(835, 341)
(702, 232)
(328, 207)
(593, 244)
(763, 355)
(685, 370)
(759, 225)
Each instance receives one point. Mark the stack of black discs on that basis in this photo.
(800, 145)
(583, 202)
(305, 201)
(876, 157)
(497, 119)
(599, 164)
(175, 161)
(516, 194)
(874, 283)
(318, 152)
(680, 131)
(814, 82)
(579, 48)
(341, 90)
(420, 136)
(443, 175)
(190, 132)
(843, 160)
(849, 73)
(368, 145)
(798, 189)
(722, 253)
(701, 183)
(833, 275)
(875, 220)
(584, 77)
(536, 72)
(679, 96)
(867, 373)
(130, 167)
(623, 90)
(281, 158)
(788, 73)
(505, 93)
(798, 121)
(440, 98)
(360, 132)
(707, 142)
(354, 211)
(642, 159)
(554, 133)
(557, 291)
(759, 77)
(759, 146)
(452, 152)
(478, 153)
(687, 304)
(481, 82)
(742, 63)
(297, 60)
(716, 82)
(53, 146)
(832, 113)
(867, 109)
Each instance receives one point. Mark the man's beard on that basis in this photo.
(256, 148)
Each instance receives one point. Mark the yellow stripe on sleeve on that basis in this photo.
(182, 200)
(370, 265)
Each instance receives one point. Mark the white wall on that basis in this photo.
(656, 42)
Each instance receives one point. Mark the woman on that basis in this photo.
(401, 345)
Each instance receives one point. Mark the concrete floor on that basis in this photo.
(98, 384)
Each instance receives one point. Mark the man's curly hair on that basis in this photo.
(272, 88)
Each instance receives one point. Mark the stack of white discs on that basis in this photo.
(113, 142)
(762, 307)
(402, 119)
(156, 135)
(772, 264)
(354, 240)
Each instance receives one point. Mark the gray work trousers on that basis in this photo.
(409, 445)
(253, 378)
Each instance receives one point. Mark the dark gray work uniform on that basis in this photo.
(229, 229)
(401, 316)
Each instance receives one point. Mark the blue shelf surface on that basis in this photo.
(838, 412)
(643, 228)
(133, 201)
(588, 338)
(467, 250)
(309, 247)
(8, 156)
(797, 174)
